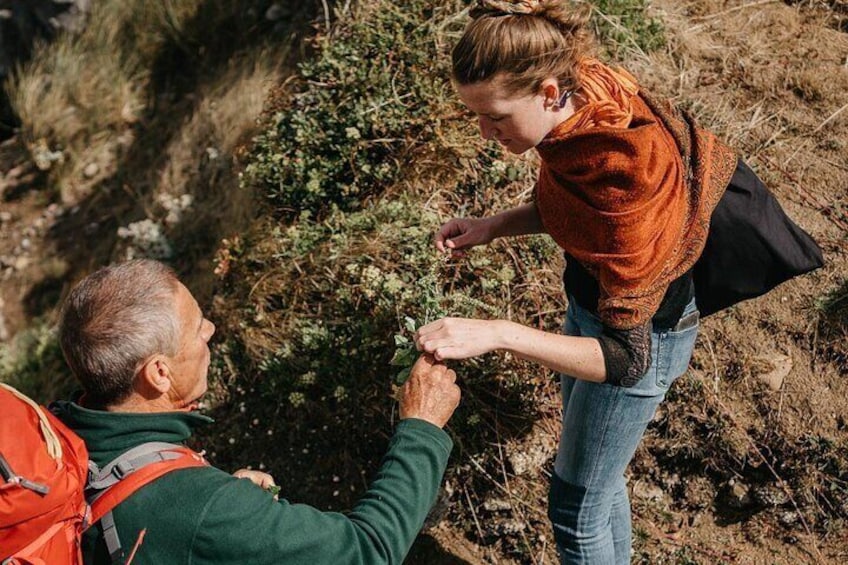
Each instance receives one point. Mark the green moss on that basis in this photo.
(359, 107)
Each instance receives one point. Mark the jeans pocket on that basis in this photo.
(674, 351)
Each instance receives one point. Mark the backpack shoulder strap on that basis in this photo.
(134, 473)
(99, 480)
(127, 474)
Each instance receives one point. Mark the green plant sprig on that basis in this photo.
(405, 352)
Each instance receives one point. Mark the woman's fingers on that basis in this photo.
(454, 338)
(456, 236)
(438, 347)
(426, 336)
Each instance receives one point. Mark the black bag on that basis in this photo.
(752, 246)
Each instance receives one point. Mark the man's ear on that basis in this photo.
(154, 377)
(549, 89)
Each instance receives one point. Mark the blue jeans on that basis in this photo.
(601, 427)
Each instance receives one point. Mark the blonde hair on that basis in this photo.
(523, 42)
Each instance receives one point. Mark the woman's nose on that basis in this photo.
(486, 129)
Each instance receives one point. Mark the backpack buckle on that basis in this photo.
(122, 469)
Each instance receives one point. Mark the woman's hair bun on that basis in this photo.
(566, 16)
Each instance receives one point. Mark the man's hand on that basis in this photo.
(430, 393)
(262, 480)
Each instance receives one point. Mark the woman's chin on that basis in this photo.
(516, 149)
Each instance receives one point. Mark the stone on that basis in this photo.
(737, 495)
(781, 367)
(531, 454)
(788, 518)
(91, 170)
(647, 491)
(512, 527)
(22, 263)
(770, 495)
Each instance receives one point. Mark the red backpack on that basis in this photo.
(50, 492)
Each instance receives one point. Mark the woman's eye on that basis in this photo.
(496, 118)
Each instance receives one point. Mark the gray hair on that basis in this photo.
(114, 320)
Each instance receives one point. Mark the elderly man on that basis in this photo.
(137, 341)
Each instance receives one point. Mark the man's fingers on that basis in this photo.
(424, 361)
(451, 376)
(263, 480)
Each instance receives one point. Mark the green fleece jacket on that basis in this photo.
(206, 516)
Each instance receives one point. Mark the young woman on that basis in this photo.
(627, 188)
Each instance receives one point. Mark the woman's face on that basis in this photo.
(518, 122)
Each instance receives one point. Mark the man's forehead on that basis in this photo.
(186, 303)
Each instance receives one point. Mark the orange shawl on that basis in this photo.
(627, 186)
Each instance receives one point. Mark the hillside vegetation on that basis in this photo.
(293, 168)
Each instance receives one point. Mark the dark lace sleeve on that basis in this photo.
(627, 354)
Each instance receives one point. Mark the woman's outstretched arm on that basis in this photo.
(462, 338)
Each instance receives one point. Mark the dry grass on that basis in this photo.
(79, 97)
(200, 161)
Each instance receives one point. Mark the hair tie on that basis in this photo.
(521, 7)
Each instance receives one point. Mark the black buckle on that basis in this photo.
(122, 469)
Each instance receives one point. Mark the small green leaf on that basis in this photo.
(401, 339)
(402, 376)
(404, 357)
(409, 324)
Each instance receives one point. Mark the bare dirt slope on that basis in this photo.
(771, 79)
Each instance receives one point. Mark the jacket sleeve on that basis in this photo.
(242, 523)
(627, 354)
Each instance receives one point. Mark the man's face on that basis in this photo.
(189, 367)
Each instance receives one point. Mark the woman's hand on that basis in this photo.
(458, 338)
(460, 234)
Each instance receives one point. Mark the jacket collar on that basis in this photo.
(109, 434)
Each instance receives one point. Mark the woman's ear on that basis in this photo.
(550, 92)
(154, 376)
